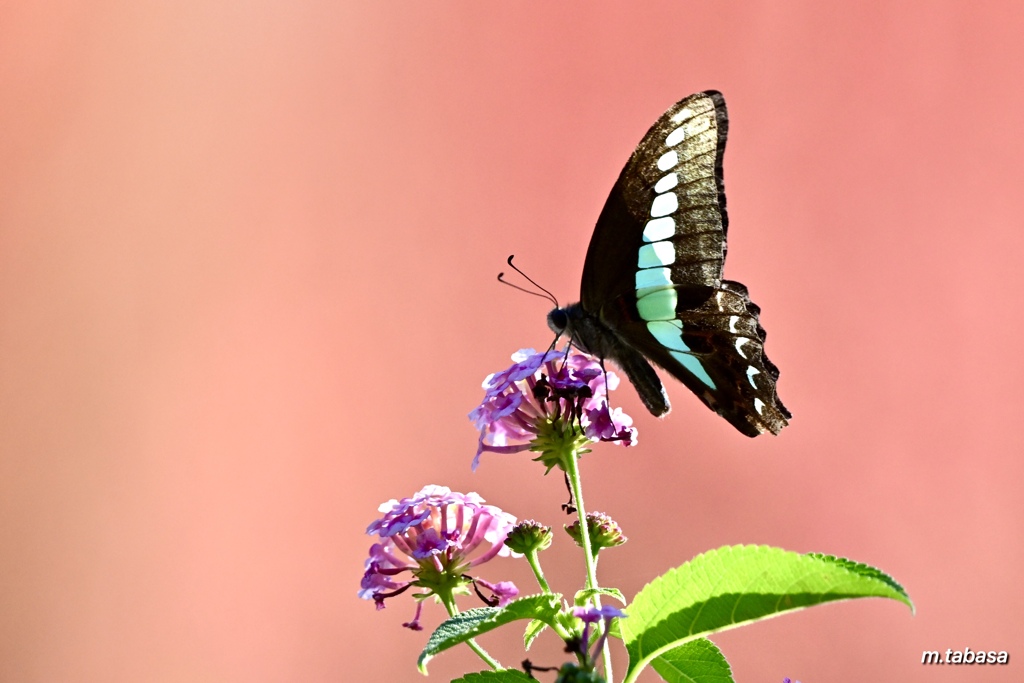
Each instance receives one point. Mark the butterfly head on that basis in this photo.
(558, 320)
(583, 329)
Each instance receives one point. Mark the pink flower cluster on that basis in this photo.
(434, 537)
(540, 388)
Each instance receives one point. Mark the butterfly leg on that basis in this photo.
(644, 378)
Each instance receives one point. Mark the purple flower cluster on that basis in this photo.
(435, 536)
(542, 389)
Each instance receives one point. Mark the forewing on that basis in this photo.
(665, 220)
(717, 351)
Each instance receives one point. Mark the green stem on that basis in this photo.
(572, 471)
(482, 653)
(534, 561)
(449, 604)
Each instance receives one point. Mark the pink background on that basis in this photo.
(247, 261)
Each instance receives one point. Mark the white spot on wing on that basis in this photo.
(667, 183)
(664, 204)
(739, 345)
(676, 136)
(668, 160)
(656, 254)
(759, 406)
(751, 371)
(733, 319)
(659, 229)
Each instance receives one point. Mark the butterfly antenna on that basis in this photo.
(546, 295)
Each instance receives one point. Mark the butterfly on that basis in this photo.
(652, 289)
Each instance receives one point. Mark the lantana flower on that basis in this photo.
(430, 541)
(553, 403)
(591, 615)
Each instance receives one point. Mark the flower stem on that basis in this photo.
(533, 558)
(449, 604)
(534, 561)
(572, 471)
(482, 653)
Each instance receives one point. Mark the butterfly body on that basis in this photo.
(652, 289)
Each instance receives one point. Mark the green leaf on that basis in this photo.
(864, 570)
(533, 629)
(582, 596)
(471, 623)
(696, 661)
(500, 676)
(736, 585)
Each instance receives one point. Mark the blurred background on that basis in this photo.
(247, 293)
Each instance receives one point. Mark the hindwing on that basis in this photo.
(717, 350)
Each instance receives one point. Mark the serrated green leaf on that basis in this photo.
(500, 676)
(533, 629)
(864, 570)
(696, 661)
(471, 623)
(735, 585)
(582, 596)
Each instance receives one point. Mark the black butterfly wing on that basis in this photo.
(653, 276)
(717, 351)
(666, 211)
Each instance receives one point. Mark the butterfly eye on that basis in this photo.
(558, 320)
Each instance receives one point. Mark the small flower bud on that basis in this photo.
(604, 532)
(529, 536)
